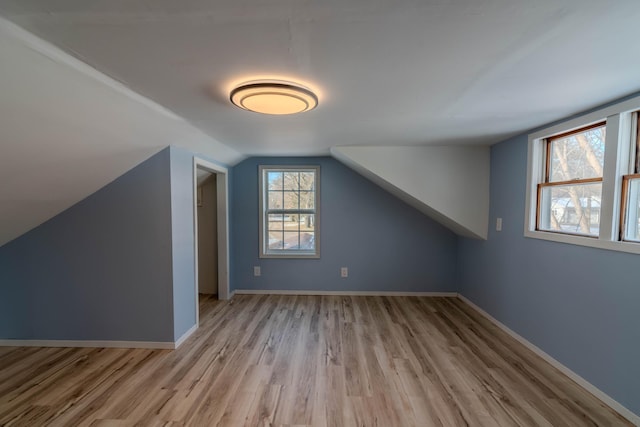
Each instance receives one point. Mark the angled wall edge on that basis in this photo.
(449, 184)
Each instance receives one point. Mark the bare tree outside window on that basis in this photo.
(290, 214)
(571, 196)
(583, 180)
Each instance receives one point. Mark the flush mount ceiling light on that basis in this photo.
(273, 97)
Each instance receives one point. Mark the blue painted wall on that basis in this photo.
(183, 247)
(578, 304)
(101, 270)
(386, 244)
(119, 265)
(183, 238)
(14, 298)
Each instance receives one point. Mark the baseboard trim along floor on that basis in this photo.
(82, 343)
(599, 394)
(344, 293)
(608, 400)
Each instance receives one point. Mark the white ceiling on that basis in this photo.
(66, 131)
(388, 72)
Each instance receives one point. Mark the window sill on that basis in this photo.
(629, 247)
(290, 256)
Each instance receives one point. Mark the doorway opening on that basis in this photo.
(210, 233)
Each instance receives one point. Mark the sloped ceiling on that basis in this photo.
(416, 175)
(387, 72)
(67, 130)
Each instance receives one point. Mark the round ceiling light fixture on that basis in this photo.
(273, 97)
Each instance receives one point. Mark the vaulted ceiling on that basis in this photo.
(116, 80)
(388, 72)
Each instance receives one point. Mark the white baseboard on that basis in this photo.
(82, 343)
(344, 293)
(184, 336)
(635, 419)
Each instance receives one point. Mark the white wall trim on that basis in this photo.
(610, 245)
(626, 413)
(83, 343)
(101, 344)
(344, 293)
(222, 184)
(186, 335)
(263, 251)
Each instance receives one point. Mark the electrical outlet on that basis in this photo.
(256, 271)
(499, 224)
(344, 272)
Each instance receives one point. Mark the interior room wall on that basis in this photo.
(386, 244)
(578, 304)
(183, 241)
(100, 270)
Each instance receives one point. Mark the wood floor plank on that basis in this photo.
(277, 360)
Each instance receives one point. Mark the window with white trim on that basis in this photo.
(289, 211)
(630, 212)
(583, 180)
(569, 199)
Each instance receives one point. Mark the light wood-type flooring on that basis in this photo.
(304, 360)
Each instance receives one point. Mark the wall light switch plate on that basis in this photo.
(499, 224)
(256, 271)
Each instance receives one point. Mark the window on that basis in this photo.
(583, 180)
(630, 217)
(289, 223)
(570, 197)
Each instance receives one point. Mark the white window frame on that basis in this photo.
(618, 161)
(629, 198)
(291, 253)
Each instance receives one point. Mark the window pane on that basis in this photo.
(571, 208)
(291, 240)
(291, 200)
(275, 240)
(275, 200)
(287, 229)
(307, 223)
(632, 216)
(307, 241)
(275, 180)
(292, 180)
(307, 181)
(637, 165)
(578, 156)
(307, 200)
(291, 222)
(275, 222)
